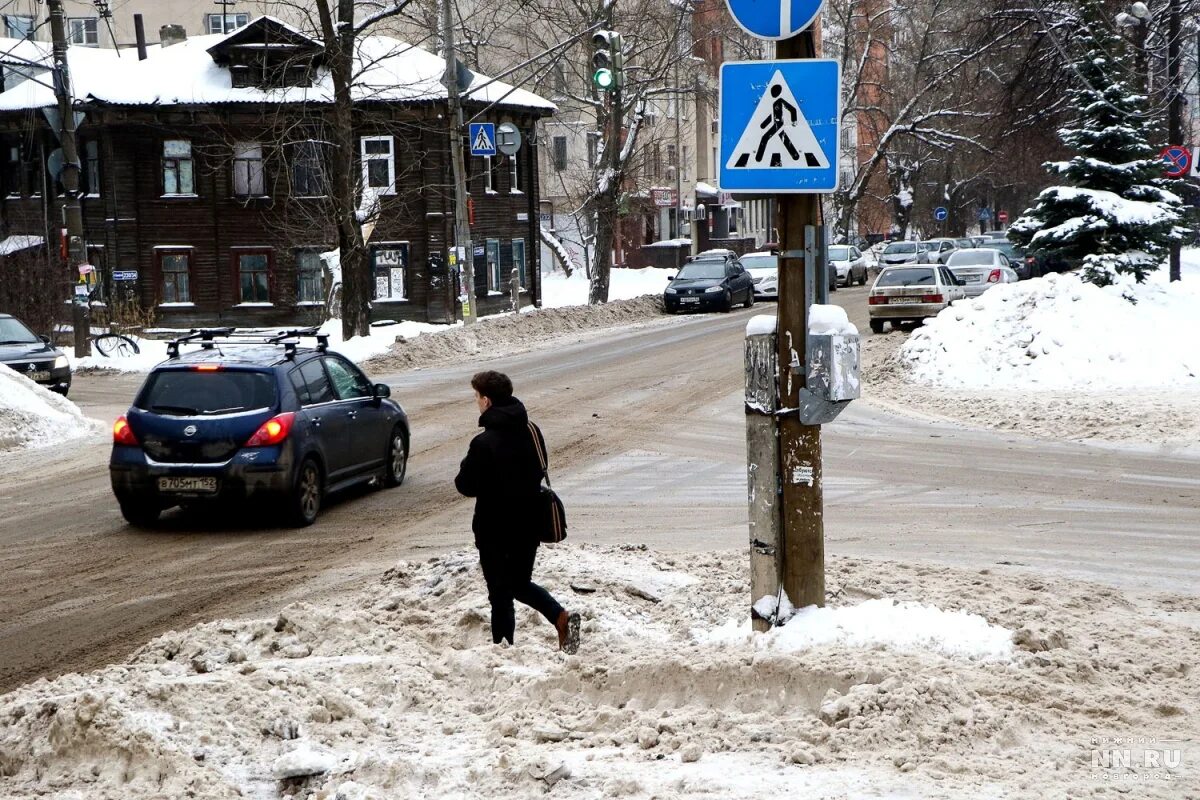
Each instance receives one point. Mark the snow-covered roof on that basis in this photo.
(19, 52)
(18, 242)
(386, 69)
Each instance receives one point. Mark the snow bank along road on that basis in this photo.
(647, 436)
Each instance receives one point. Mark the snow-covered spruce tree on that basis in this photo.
(1110, 218)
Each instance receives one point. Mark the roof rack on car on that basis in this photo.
(290, 339)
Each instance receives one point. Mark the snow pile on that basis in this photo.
(761, 324)
(558, 290)
(396, 691)
(1058, 332)
(879, 623)
(32, 416)
(829, 319)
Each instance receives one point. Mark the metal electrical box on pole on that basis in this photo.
(69, 176)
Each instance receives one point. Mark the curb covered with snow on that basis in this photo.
(396, 691)
(32, 416)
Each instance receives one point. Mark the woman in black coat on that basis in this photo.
(502, 472)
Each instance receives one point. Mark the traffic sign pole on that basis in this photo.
(802, 525)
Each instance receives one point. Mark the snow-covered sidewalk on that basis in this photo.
(917, 682)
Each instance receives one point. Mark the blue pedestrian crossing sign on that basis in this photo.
(774, 19)
(779, 126)
(483, 138)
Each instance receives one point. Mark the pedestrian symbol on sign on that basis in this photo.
(777, 134)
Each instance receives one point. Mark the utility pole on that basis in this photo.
(462, 223)
(617, 119)
(802, 528)
(679, 155)
(72, 212)
(1174, 108)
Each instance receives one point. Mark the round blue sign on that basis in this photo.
(940, 213)
(774, 19)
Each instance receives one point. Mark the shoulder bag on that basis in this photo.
(551, 517)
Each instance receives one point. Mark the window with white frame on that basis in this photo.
(18, 26)
(177, 167)
(225, 23)
(247, 169)
(514, 185)
(593, 148)
(379, 164)
(518, 255)
(489, 179)
(390, 267)
(174, 268)
(310, 277)
(84, 31)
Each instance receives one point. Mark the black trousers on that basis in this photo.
(509, 576)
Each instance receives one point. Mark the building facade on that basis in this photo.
(206, 179)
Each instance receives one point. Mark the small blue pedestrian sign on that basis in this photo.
(940, 213)
(984, 214)
(779, 126)
(774, 19)
(483, 138)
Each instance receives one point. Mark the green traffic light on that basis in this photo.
(603, 79)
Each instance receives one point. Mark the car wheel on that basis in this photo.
(139, 513)
(397, 459)
(306, 494)
(863, 280)
(876, 326)
(728, 301)
(750, 298)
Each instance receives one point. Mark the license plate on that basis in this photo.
(689, 299)
(894, 300)
(37, 377)
(187, 484)
(970, 279)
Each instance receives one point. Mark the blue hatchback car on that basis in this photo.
(232, 416)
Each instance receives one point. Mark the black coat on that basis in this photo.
(502, 472)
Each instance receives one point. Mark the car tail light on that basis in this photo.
(994, 277)
(931, 298)
(123, 434)
(877, 300)
(207, 367)
(273, 431)
(1030, 259)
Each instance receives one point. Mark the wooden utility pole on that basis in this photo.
(803, 524)
(462, 222)
(69, 177)
(1174, 109)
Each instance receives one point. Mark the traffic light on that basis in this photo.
(607, 61)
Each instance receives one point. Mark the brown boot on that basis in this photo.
(568, 632)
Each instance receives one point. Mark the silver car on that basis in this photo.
(911, 294)
(903, 253)
(939, 249)
(850, 263)
(980, 269)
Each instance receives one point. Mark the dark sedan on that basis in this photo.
(709, 284)
(32, 355)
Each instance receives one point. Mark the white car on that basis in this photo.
(764, 270)
(980, 269)
(911, 294)
(850, 263)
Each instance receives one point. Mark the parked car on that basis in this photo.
(965, 243)
(980, 269)
(849, 263)
(255, 418)
(903, 253)
(1024, 265)
(978, 241)
(939, 249)
(911, 294)
(33, 356)
(996, 234)
(709, 282)
(764, 271)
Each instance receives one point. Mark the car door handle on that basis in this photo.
(352, 414)
(316, 422)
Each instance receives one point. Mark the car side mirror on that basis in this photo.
(45, 339)
(382, 390)
(670, 277)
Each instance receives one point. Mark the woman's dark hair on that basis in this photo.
(495, 386)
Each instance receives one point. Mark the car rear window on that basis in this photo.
(961, 259)
(914, 276)
(190, 392)
(900, 247)
(760, 262)
(839, 254)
